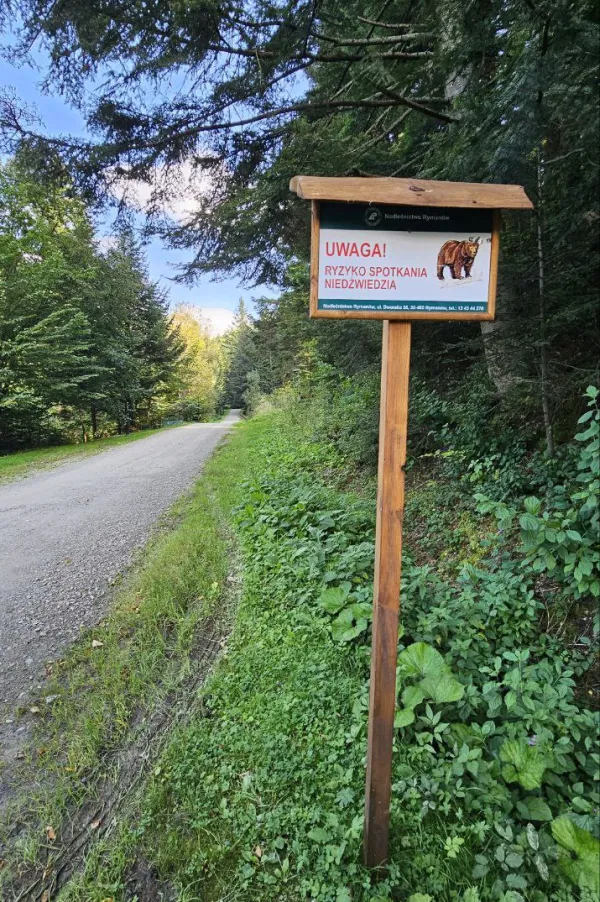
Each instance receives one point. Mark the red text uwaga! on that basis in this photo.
(353, 249)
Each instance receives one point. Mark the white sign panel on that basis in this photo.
(401, 259)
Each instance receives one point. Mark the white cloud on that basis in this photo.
(219, 319)
(106, 243)
(174, 191)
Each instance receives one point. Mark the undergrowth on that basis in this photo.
(495, 792)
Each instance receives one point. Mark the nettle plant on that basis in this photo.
(559, 536)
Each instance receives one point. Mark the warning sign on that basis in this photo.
(389, 259)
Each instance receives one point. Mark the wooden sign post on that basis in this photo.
(398, 250)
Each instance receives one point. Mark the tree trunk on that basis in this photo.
(501, 343)
(500, 367)
(502, 374)
(543, 337)
(94, 418)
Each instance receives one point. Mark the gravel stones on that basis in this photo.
(66, 534)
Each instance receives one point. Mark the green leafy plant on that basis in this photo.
(353, 615)
(580, 853)
(493, 739)
(560, 536)
(436, 682)
(522, 763)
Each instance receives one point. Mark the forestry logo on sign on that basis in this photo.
(373, 217)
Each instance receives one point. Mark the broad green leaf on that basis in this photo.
(532, 505)
(524, 764)
(574, 535)
(344, 629)
(532, 837)
(589, 433)
(534, 809)
(346, 617)
(421, 660)
(528, 523)
(441, 688)
(583, 870)
(332, 599)
(360, 627)
(542, 867)
(403, 717)
(514, 860)
(318, 834)
(412, 696)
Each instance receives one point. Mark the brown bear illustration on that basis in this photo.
(457, 255)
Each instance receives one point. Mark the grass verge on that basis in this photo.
(122, 669)
(20, 463)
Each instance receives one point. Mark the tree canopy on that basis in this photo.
(86, 340)
(248, 94)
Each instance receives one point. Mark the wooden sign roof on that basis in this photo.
(412, 192)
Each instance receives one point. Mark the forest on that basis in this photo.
(258, 797)
(89, 346)
(502, 93)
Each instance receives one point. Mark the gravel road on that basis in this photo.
(65, 535)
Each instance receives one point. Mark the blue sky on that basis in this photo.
(59, 118)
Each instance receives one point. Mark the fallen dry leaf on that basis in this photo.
(45, 896)
(258, 852)
(35, 710)
(96, 643)
(50, 833)
(95, 824)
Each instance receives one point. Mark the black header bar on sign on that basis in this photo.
(394, 218)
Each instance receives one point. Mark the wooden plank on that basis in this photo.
(494, 256)
(414, 192)
(393, 426)
(314, 258)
